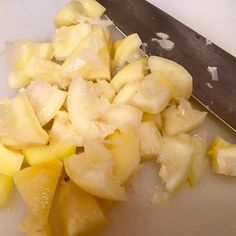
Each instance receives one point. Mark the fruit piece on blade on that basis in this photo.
(134, 71)
(180, 117)
(93, 8)
(150, 140)
(55, 150)
(124, 147)
(18, 114)
(6, 189)
(45, 99)
(175, 158)
(69, 14)
(10, 160)
(76, 212)
(94, 176)
(67, 39)
(172, 75)
(37, 185)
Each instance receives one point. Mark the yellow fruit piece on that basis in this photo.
(67, 39)
(157, 118)
(55, 150)
(6, 188)
(37, 186)
(69, 14)
(176, 76)
(76, 212)
(150, 140)
(175, 158)
(45, 99)
(180, 117)
(20, 123)
(94, 176)
(11, 161)
(93, 8)
(134, 71)
(124, 147)
(126, 49)
(91, 59)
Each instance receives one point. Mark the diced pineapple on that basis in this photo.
(45, 99)
(124, 147)
(18, 114)
(175, 158)
(134, 71)
(11, 161)
(6, 188)
(91, 59)
(150, 140)
(55, 150)
(125, 49)
(157, 118)
(67, 39)
(69, 14)
(94, 176)
(123, 116)
(93, 8)
(173, 75)
(104, 90)
(180, 117)
(151, 97)
(76, 212)
(37, 186)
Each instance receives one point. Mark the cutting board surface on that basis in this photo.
(207, 210)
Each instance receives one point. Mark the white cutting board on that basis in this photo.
(207, 210)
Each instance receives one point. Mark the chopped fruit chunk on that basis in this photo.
(55, 150)
(124, 147)
(172, 75)
(37, 186)
(45, 99)
(150, 140)
(180, 117)
(93, 8)
(6, 189)
(11, 161)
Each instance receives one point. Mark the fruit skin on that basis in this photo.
(94, 174)
(55, 150)
(6, 189)
(124, 147)
(172, 75)
(75, 212)
(37, 185)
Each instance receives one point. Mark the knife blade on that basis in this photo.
(190, 50)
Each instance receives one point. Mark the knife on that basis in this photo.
(190, 50)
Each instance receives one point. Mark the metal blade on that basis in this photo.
(190, 50)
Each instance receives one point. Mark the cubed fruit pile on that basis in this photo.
(87, 113)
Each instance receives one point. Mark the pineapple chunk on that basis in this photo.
(76, 212)
(126, 50)
(93, 8)
(91, 59)
(157, 118)
(69, 14)
(6, 189)
(45, 99)
(68, 38)
(37, 186)
(124, 147)
(151, 97)
(16, 115)
(150, 140)
(173, 75)
(11, 161)
(55, 150)
(134, 71)
(123, 116)
(181, 117)
(104, 90)
(175, 158)
(94, 176)
(63, 131)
